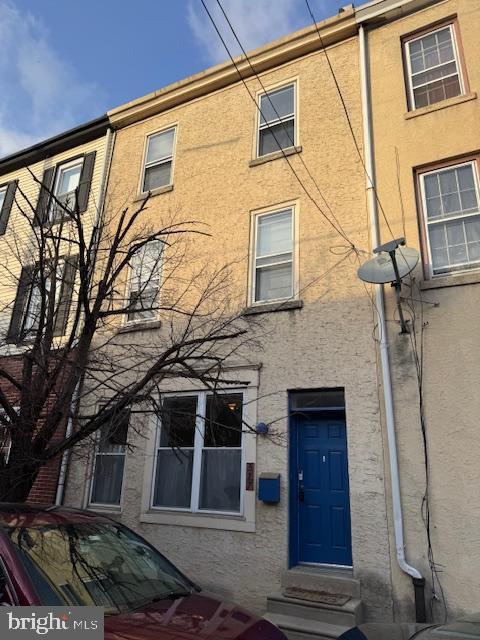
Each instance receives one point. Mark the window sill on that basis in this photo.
(140, 326)
(154, 192)
(453, 280)
(104, 508)
(444, 104)
(271, 307)
(225, 523)
(274, 156)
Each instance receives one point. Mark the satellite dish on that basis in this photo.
(393, 262)
(381, 269)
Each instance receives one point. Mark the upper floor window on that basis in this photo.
(451, 198)
(32, 301)
(198, 463)
(272, 273)
(157, 170)
(67, 180)
(433, 67)
(3, 192)
(145, 282)
(276, 120)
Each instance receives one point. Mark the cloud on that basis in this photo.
(41, 94)
(256, 22)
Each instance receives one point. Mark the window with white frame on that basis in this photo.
(273, 256)
(145, 282)
(433, 67)
(198, 465)
(452, 215)
(157, 170)
(276, 124)
(67, 179)
(109, 463)
(3, 191)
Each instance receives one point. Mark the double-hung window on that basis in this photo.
(145, 282)
(451, 204)
(109, 463)
(198, 464)
(157, 170)
(273, 263)
(276, 124)
(433, 67)
(67, 180)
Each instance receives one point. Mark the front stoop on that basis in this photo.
(316, 620)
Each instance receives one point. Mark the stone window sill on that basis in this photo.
(140, 326)
(154, 192)
(274, 156)
(103, 508)
(444, 104)
(453, 280)
(208, 521)
(271, 307)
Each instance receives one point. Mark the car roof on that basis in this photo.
(20, 514)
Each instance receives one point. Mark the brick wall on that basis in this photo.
(45, 486)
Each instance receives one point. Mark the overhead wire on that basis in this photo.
(285, 156)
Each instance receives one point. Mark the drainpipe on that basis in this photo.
(417, 578)
(109, 143)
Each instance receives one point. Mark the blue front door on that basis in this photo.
(320, 496)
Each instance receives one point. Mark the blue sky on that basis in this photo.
(64, 62)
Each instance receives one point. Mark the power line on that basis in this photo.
(292, 141)
(315, 203)
(347, 115)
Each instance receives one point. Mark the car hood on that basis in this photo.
(200, 615)
(467, 628)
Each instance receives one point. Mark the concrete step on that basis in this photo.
(340, 581)
(301, 629)
(348, 614)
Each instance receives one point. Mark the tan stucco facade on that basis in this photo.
(444, 132)
(328, 341)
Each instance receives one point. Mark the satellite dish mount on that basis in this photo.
(386, 268)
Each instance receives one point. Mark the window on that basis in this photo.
(27, 309)
(66, 182)
(3, 192)
(145, 282)
(433, 67)
(158, 160)
(199, 453)
(273, 257)
(452, 215)
(276, 127)
(110, 461)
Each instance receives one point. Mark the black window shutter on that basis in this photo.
(41, 212)
(24, 285)
(66, 291)
(7, 206)
(85, 181)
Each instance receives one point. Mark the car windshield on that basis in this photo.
(97, 564)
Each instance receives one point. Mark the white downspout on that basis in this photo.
(380, 305)
(109, 140)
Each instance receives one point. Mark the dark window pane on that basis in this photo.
(178, 422)
(223, 424)
(113, 436)
(324, 398)
(274, 138)
(220, 484)
(277, 104)
(173, 478)
(157, 176)
(107, 479)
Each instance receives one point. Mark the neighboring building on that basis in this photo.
(425, 78)
(72, 159)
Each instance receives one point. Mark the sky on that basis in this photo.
(64, 62)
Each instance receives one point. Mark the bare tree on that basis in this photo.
(75, 359)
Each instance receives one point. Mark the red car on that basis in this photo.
(65, 557)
